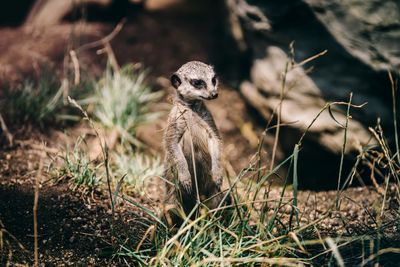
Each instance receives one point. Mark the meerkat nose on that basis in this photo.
(214, 95)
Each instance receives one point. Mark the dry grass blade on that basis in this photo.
(35, 212)
(343, 152)
(105, 153)
(295, 238)
(75, 62)
(278, 123)
(105, 39)
(379, 253)
(394, 104)
(150, 231)
(335, 251)
(5, 130)
(282, 261)
(311, 59)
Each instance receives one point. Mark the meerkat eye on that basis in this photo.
(199, 84)
(214, 80)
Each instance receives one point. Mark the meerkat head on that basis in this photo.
(195, 81)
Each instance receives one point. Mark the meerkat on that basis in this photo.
(191, 140)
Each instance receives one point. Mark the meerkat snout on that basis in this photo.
(195, 81)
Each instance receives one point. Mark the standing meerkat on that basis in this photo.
(191, 140)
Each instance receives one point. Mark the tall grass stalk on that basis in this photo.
(394, 107)
(343, 152)
(105, 153)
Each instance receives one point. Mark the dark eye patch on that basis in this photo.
(214, 80)
(197, 83)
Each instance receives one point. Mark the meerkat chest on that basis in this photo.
(196, 135)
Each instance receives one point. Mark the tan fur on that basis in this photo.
(191, 134)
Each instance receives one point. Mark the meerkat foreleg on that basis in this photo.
(216, 169)
(176, 155)
(184, 176)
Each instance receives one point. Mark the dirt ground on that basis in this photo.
(73, 226)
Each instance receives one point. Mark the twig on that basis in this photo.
(35, 211)
(4, 230)
(41, 148)
(103, 40)
(310, 59)
(111, 56)
(75, 62)
(6, 132)
(379, 253)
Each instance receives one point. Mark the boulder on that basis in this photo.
(314, 52)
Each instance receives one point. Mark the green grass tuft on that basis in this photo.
(123, 101)
(41, 102)
(80, 172)
(137, 170)
(35, 102)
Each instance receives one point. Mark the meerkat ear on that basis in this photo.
(175, 80)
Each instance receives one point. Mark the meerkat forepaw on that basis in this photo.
(186, 185)
(218, 182)
(217, 177)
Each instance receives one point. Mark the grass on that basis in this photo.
(120, 101)
(229, 235)
(8, 244)
(40, 102)
(123, 101)
(137, 170)
(80, 172)
(257, 229)
(37, 103)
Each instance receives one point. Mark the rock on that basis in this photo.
(368, 30)
(302, 102)
(361, 39)
(46, 13)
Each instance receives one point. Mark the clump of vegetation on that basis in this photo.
(259, 231)
(81, 173)
(35, 102)
(137, 169)
(123, 101)
(225, 236)
(41, 102)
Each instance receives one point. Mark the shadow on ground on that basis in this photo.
(69, 228)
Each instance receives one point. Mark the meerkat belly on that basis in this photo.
(195, 147)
